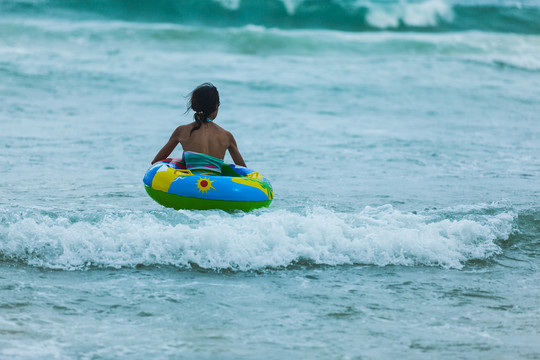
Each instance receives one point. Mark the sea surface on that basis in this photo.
(402, 140)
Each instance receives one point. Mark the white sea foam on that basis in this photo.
(216, 240)
(427, 13)
(229, 4)
(381, 15)
(291, 5)
(529, 63)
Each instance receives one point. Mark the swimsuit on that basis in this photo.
(197, 162)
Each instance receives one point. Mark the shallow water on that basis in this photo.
(401, 139)
(328, 312)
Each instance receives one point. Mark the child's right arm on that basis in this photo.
(168, 148)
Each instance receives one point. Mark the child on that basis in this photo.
(204, 142)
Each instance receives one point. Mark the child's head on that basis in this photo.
(204, 101)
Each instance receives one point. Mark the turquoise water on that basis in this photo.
(402, 140)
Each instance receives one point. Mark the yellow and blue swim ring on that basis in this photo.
(170, 184)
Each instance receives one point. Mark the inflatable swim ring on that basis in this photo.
(238, 188)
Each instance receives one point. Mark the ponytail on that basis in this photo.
(200, 118)
(204, 101)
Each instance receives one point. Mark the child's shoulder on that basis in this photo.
(220, 129)
(182, 129)
(185, 126)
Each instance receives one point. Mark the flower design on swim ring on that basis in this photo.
(203, 185)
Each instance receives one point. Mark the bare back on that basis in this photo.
(210, 139)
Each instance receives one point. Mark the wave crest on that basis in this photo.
(267, 239)
(357, 16)
(425, 14)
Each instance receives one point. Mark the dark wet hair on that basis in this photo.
(204, 100)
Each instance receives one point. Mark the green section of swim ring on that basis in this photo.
(179, 202)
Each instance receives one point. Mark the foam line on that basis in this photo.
(267, 239)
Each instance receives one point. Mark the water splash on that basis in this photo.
(266, 239)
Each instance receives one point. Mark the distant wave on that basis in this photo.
(267, 239)
(503, 50)
(426, 15)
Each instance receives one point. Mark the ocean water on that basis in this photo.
(402, 139)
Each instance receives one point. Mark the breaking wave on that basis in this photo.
(426, 15)
(265, 239)
(514, 51)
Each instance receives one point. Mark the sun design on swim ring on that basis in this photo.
(204, 185)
